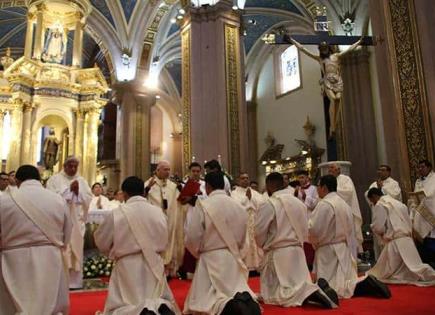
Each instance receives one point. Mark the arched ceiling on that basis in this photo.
(143, 28)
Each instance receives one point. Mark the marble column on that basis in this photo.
(79, 133)
(2, 116)
(214, 105)
(358, 123)
(14, 156)
(134, 128)
(29, 36)
(78, 42)
(405, 107)
(90, 156)
(39, 33)
(26, 134)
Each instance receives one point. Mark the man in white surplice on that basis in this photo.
(77, 193)
(346, 190)
(389, 187)
(399, 261)
(34, 227)
(281, 229)
(134, 235)
(330, 233)
(215, 234)
(424, 220)
(99, 201)
(250, 201)
(163, 193)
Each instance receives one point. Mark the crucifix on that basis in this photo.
(329, 60)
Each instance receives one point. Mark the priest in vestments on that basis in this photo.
(330, 233)
(187, 269)
(281, 229)
(35, 226)
(77, 194)
(251, 202)
(216, 234)
(163, 193)
(134, 235)
(346, 190)
(399, 261)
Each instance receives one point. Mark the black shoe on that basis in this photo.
(241, 304)
(165, 310)
(182, 275)
(372, 286)
(318, 298)
(254, 273)
(330, 292)
(146, 311)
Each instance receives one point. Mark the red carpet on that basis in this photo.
(406, 300)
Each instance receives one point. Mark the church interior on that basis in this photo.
(125, 84)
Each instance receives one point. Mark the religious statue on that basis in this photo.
(331, 82)
(6, 61)
(55, 47)
(50, 150)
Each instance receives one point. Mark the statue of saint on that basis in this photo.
(55, 45)
(331, 82)
(50, 150)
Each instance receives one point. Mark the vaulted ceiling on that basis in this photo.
(118, 25)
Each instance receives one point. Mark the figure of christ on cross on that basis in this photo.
(331, 82)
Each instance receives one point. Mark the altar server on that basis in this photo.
(35, 225)
(330, 233)
(215, 233)
(399, 261)
(281, 229)
(134, 235)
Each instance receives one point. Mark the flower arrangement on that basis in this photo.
(97, 266)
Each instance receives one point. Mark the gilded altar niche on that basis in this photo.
(43, 96)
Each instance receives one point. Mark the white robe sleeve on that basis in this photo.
(264, 219)
(346, 189)
(393, 189)
(104, 235)
(194, 230)
(379, 220)
(320, 220)
(67, 226)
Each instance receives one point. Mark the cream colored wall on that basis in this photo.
(285, 116)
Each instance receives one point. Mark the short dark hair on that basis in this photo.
(329, 181)
(194, 164)
(294, 183)
(374, 192)
(275, 179)
(425, 162)
(11, 172)
(96, 184)
(302, 172)
(133, 186)
(213, 165)
(253, 182)
(243, 173)
(386, 166)
(27, 172)
(3, 174)
(215, 180)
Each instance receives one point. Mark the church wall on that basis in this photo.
(425, 12)
(285, 116)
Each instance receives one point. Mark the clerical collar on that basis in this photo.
(307, 186)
